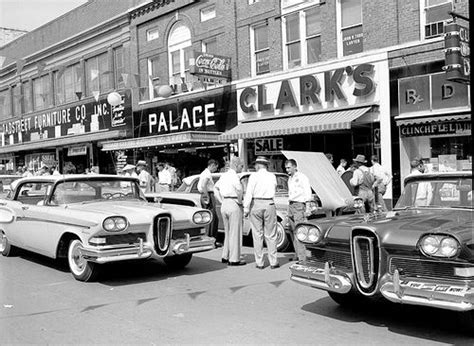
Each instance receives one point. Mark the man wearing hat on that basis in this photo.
(143, 176)
(363, 182)
(260, 206)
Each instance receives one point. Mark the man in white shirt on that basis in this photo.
(206, 188)
(424, 192)
(342, 166)
(299, 193)
(260, 206)
(229, 191)
(382, 179)
(143, 176)
(363, 182)
(164, 178)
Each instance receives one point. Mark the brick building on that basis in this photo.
(330, 76)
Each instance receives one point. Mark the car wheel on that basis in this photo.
(178, 261)
(80, 268)
(283, 241)
(347, 299)
(6, 248)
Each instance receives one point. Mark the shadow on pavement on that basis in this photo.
(57, 264)
(416, 321)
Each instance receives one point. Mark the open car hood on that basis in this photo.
(324, 180)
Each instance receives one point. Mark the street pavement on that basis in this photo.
(205, 303)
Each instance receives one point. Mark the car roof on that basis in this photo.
(439, 175)
(9, 176)
(74, 177)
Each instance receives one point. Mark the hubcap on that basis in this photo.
(78, 262)
(3, 242)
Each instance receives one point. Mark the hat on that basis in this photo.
(262, 160)
(128, 167)
(141, 163)
(360, 159)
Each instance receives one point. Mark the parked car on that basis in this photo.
(331, 203)
(95, 219)
(420, 253)
(6, 181)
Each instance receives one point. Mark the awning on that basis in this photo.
(64, 140)
(191, 137)
(319, 122)
(408, 119)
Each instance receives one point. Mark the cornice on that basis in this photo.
(149, 7)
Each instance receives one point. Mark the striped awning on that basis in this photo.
(408, 119)
(318, 122)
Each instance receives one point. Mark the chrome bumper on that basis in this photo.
(191, 245)
(326, 279)
(113, 254)
(416, 291)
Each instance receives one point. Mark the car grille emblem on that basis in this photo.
(162, 234)
(364, 261)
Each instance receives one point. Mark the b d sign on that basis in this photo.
(268, 146)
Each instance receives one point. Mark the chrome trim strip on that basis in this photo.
(359, 268)
(117, 254)
(26, 218)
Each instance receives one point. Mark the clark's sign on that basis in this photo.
(206, 64)
(82, 118)
(211, 113)
(457, 53)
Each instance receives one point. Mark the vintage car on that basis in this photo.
(332, 196)
(420, 253)
(95, 219)
(6, 181)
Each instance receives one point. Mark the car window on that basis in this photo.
(33, 193)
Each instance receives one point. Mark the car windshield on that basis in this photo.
(436, 193)
(94, 190)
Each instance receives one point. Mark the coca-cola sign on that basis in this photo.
(210, 65)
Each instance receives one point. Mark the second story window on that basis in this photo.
(67, 83)
(153, 76)
(208, 13)
(180, 51)
(119, 68)
(97, 74)
(260, 49)
(302, 37)
(5, 105)
(210, 46)
(435, 17)
(352, 35)
(41, 92)
(17, 100)
(27, 101)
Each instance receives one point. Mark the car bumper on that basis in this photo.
(191, 245)
(323, 278)
(116, 253)
(449, 295)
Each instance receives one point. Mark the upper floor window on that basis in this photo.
(152, 34)
(17, 99)
(98, 74)
(352, 35)
(153, 76)
(208, 13)
(67, 83)
(435, 16)
(42, 92)
(260, 49)
(210, 46)
(302, 37)
(180, 51)
(5, 104)
(119, 69)
(27, 100)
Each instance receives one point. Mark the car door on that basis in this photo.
(32, 216)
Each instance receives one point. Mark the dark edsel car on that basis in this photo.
(421, 253)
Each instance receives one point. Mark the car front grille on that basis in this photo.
(124, 239)
(161, 233)
(366, 258)
(337, 259)
(427, 268)
(179, 234)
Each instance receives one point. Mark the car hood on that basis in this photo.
(404, 228)
(323, 178)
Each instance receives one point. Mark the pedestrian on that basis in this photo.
(44, 170)
(29, 172)
(229, 192)
(208, 200)
(330, 158)
(164, 178)
(363, 182)
(55, 171)
(129, 170)
(299, 196)
(424, 192)
(143, 176)
(259, 205)
(342, 166)
(382, 179)
(172, 172)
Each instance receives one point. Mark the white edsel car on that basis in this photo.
(94, 219)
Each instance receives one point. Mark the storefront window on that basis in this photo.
(451, 153)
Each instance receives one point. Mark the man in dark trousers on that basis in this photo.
(206, 188)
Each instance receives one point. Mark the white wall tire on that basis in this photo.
(282, 242)
(80, 268)
(6, 248)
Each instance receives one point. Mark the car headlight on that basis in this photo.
(115, 224)
(308, 233)
(439, 245)
(202, 217)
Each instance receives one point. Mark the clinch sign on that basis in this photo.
(344, 86)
